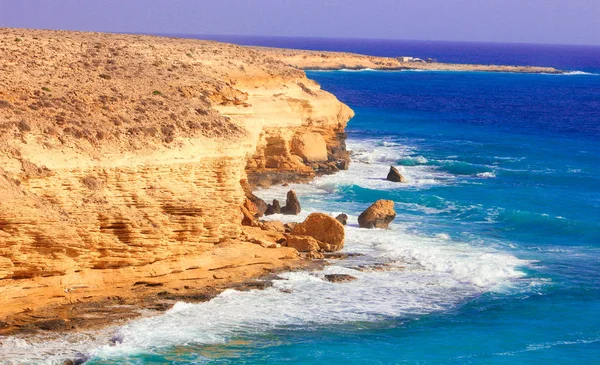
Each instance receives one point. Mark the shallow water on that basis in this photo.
(494, 257)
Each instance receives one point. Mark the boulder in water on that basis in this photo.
(378, 215)
(339, 278)
(292, 205)
(325, 229)
(274, 208)
(395, 176)
(342, 218)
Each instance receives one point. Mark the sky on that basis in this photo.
(523, 21)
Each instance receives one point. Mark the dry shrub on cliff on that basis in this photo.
(91, 182)
(306, 89)
(24, 126)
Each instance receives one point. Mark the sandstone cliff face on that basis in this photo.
(120, 150)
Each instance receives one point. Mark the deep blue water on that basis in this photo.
(494, 257)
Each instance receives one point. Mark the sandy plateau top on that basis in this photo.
(108, 93)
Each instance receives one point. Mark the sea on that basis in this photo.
(493, 258)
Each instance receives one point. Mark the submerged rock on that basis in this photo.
(339, 278)
(342, 218)
(395, 176)
(325, 229)
(343, 165)
(378, 215)
(292, 205)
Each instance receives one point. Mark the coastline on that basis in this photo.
(330, 61)
(270, 100)
(126, 163)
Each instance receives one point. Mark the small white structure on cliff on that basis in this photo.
(409, 59)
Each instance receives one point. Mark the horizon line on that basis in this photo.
(176, 34)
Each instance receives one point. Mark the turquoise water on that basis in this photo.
(494, 257)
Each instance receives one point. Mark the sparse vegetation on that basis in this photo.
(46, 89)
(24, 126)
(105, 76)
(18, 39)
(189, 55)
(92, 182)
(157, 92)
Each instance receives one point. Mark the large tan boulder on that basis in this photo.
(303, 243)
(310, 146)
(325, 229)
(378, 215)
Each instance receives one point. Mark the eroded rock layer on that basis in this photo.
(121, 151)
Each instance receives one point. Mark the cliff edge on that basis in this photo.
(122, 160)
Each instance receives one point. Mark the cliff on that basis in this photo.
(123, 160)
(322, 60)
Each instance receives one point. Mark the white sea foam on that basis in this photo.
(572, 73)
(355, 70)
(486, 175)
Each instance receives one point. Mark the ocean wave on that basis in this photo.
(355, 70)
(462, 168)
(548, 345)
(412, 161)
(572, 73)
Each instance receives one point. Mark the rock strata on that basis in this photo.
(325, 229)
(395, 176)
(292, 205)
(378, 215)
(128, 158)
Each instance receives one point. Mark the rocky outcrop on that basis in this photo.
(395, 176)
(274, 208)
(325, 229)
(249, 213)
(124, 156)
(378, 215)
(292, 205)
(310, 146)
(259, 204)
(342, 218)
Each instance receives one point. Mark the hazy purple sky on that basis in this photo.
(532, 21)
